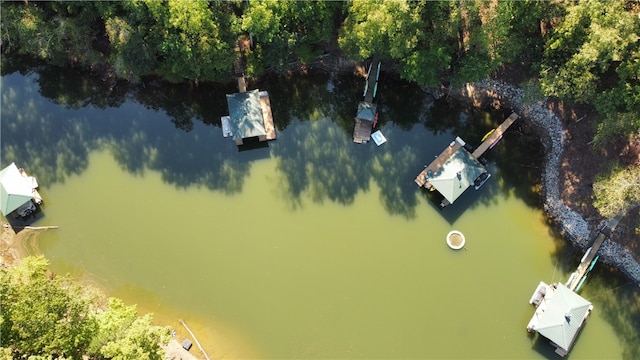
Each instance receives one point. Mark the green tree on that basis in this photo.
(411, 33)
(517, 31)
(591, 42)
(196, 39)
(593, 56)
(134, 38)
(123, 335)
(43, 315)
(57, 32)
(49, 317)
(617, 190)
(287, 31)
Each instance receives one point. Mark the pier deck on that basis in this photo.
(34, 186)
(437, 163)
(242, 84)
(362, 131)
(366, 114)
(269, 127)
(602, 234)
(371, 81)
(495, 135)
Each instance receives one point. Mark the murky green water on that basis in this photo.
(314, 247)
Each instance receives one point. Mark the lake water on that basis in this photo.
(313, 247)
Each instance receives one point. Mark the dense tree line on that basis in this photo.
(49, 317)
(579, 51)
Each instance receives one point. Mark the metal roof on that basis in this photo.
(366, 111)
(245, 115)
(563, 317)
(456, 174)
(15, 189)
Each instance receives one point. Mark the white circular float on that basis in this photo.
(455, 240)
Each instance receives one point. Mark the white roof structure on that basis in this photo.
(456, 174)
(15, 189)
(563, 317)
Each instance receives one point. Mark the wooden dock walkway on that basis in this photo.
(436, 164)
(361, 131)
(495, 135)
(364, 124)
(601, 234)
(372, 80)
(267, 116)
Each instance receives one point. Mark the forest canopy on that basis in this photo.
(50, 317)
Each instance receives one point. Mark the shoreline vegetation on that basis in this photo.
(574, 54)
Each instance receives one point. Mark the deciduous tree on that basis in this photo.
(617, 190)
(43, 315)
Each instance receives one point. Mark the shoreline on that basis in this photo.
(548, 125)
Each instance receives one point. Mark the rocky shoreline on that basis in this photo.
(549, 126)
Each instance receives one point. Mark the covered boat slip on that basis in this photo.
(559, 316)
(366, 115)
(455, 169)
(250, 116)
(18, 191)
(365, 118)
(452, 172)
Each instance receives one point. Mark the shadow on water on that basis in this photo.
(619, 302)
(315, 155)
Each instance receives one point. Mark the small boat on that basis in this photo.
(593, 263)
(538, 294)
(581, 283)
(495, 142)
(487, 134)
(573, 274)
(585, 255)
(480, 180)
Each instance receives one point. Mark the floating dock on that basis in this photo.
(267, 116)
(367, 115)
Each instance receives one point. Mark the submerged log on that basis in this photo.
(37, 227)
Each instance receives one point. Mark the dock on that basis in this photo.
(361, 131)
(495, 136)
(601, 234)
(560, 311)
(37, 198)
(267, 116)
(372, 82)
(250, 115)
(436, 164)
(367, 116)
